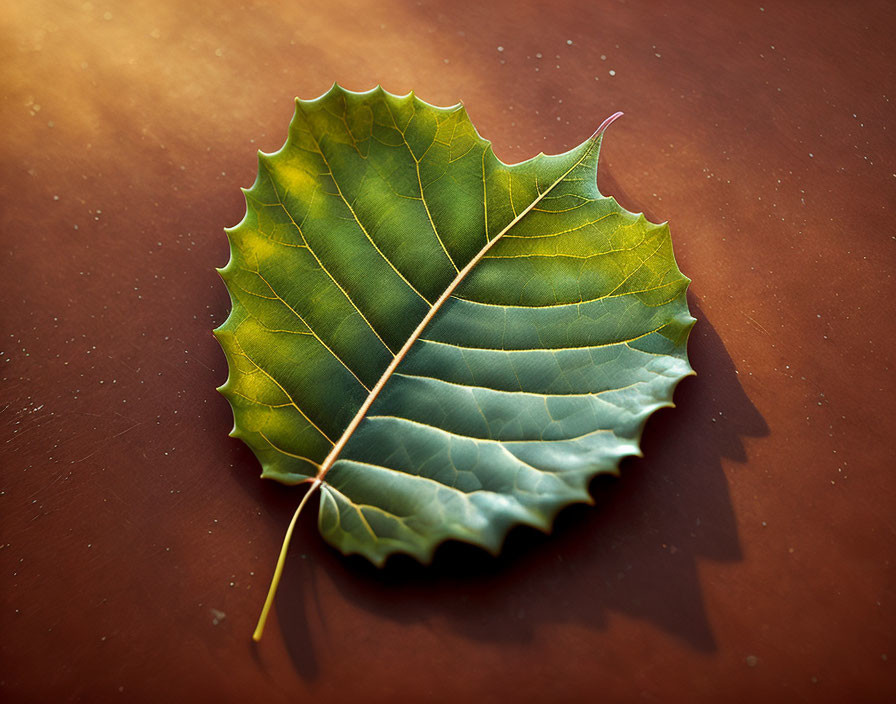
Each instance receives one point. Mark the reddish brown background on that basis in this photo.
(747, 557)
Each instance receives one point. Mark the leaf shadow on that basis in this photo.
(636, 552)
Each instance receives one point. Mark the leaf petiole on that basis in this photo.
(278, 570)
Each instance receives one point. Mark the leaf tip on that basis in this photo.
(606, 123)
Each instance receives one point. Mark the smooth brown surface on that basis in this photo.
(747, 556)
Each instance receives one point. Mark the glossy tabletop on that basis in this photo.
(747, 556)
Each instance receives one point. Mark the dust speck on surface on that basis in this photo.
(752, 660)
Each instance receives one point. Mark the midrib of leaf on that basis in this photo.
(434, 309)
(399, 356)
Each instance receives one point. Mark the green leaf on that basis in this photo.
(445, 345)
